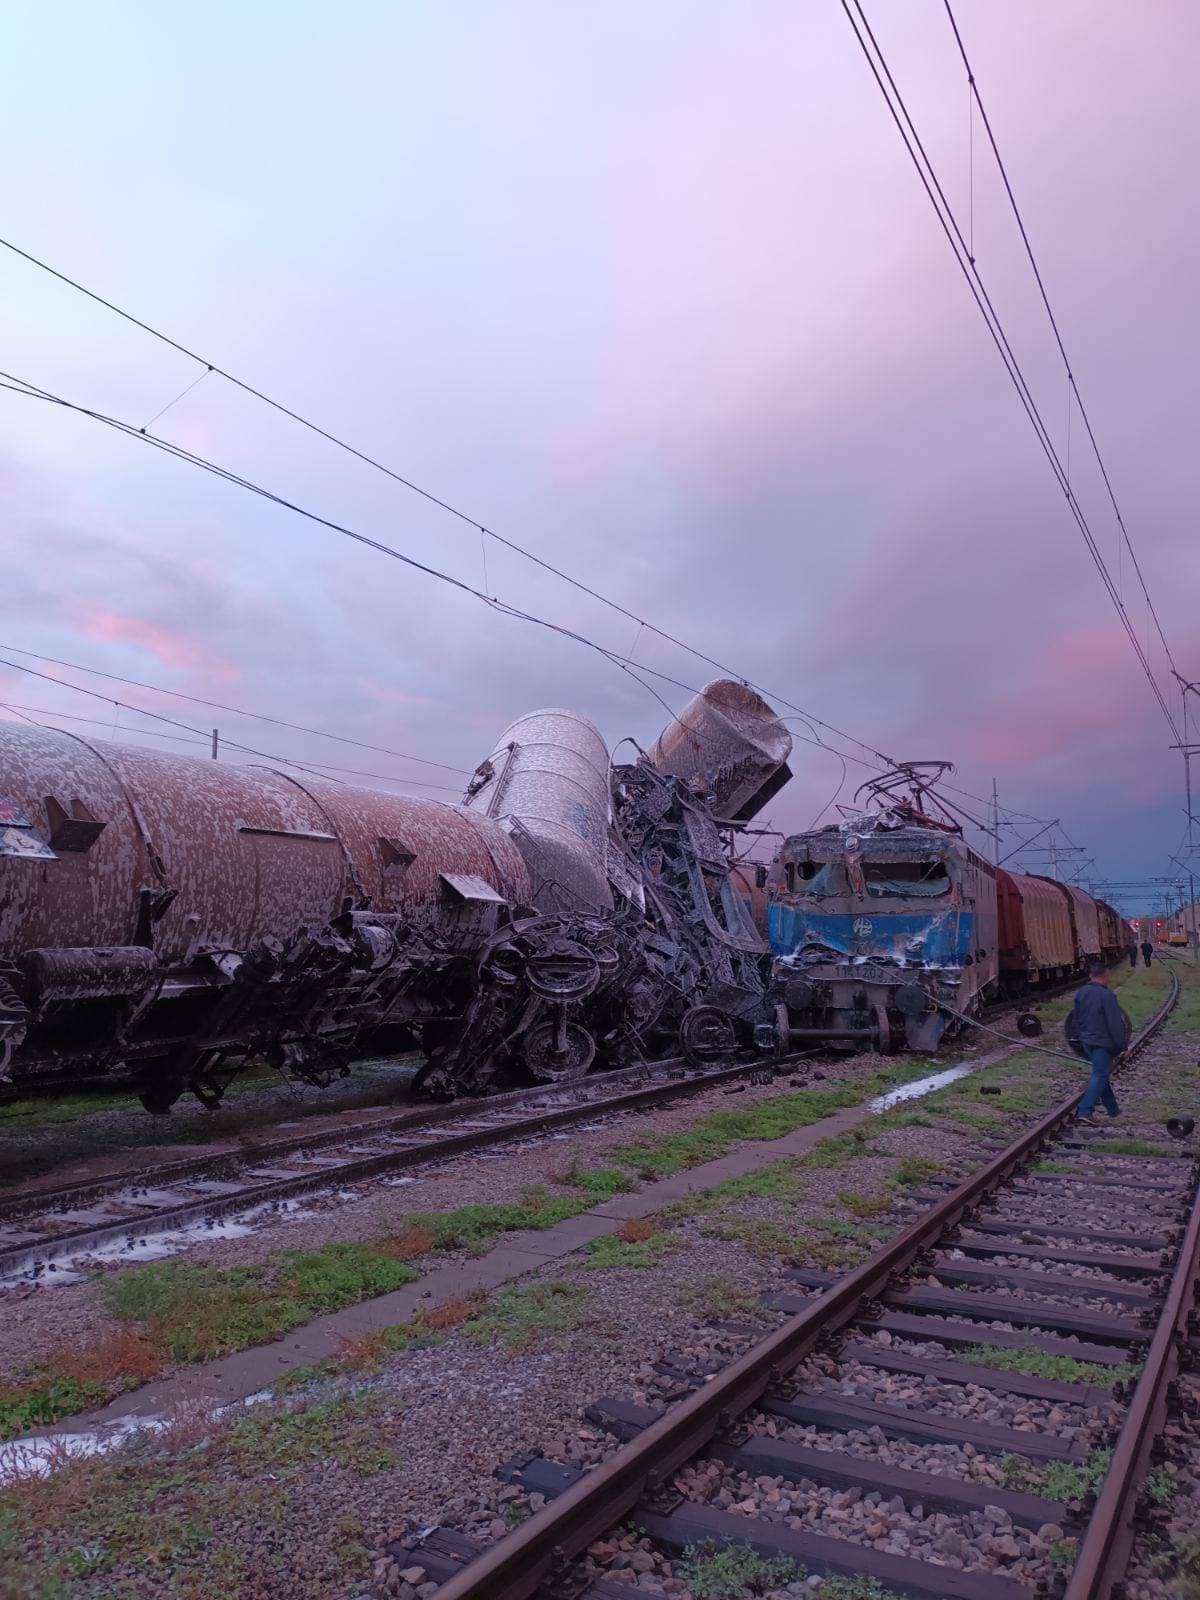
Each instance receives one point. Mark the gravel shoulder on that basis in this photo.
(305, 1495)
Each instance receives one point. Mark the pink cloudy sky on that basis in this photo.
(652, 290)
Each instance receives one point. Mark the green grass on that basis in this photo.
(840, 1150)
(200, 1312)
(598, 1183)
(1132, 1147)
(610, 1251)
(720, 1299)
(912, 1171)
(659, 1155)
(1037, 1364)
(158, 1516)
(1186, 1016)
(734, 1572)
(1057, 1480)
(1161, 1487)
(518, 1317)
(837, 1226)
(855, 1589)
(289, 1440)
(778, 1181)
(477, 1227)
(1048, 1167)
(45, 1400)
(772, 1240)
(864, 1205)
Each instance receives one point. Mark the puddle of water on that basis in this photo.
(41, 1455)
(922, 1086)
(74, 1266)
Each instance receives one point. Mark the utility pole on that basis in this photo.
(995, 825)
(214, 743)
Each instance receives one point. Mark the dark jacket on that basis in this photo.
(1097, 1018)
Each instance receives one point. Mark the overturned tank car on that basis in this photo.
(171, 920)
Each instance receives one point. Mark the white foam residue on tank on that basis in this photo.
(546, 783)
(922, 1086)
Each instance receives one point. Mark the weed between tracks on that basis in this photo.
(1057, 1480)
(733, 1572)
(168, 1510)
(1037, 1364)
(635, 1244)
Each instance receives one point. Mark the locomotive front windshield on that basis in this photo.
(820, 878)
(825, 880)
(906, 879)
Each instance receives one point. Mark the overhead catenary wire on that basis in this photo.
(321, 768)
(626, 664)
(894, 100)
(237, 711)
(973, 90)
(187, 727)
(433, 499)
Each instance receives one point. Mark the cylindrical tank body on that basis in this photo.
(729, 741)
(546, 783)
(240, 853)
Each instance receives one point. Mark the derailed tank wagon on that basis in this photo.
(175, 918)
(172, 920)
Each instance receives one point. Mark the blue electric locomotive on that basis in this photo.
(883, 928)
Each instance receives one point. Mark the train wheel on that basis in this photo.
(706, 1034)
(556, 1052)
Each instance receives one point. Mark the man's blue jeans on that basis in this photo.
(1099, 1089)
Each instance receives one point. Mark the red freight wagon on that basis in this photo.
(1037, 944)
(1115, 937)
(1087, 923)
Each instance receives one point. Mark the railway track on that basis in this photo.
(43, 1229)
(1011, 1258)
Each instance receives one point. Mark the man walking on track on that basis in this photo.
(1133, 955)
(1147, 951)
(1098, 1022)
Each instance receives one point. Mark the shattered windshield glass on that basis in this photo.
(820, 878)
(906, 878)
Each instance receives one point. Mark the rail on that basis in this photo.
(516, 1567)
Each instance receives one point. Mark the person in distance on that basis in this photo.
(1099, 1024)
(1147, 951)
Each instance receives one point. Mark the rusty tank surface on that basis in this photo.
(116, 845)
(173, 919)
(168, 921)
(728, 744)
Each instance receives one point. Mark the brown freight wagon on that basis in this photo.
(1036, 936)
(1086, 913)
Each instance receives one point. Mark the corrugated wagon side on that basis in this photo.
(1037, 942)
